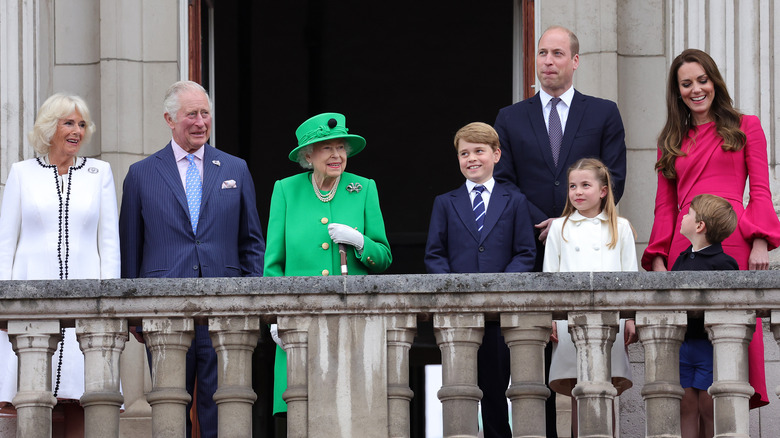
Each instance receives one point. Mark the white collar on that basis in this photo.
(489, 184)
(577, 217)
(566, 97)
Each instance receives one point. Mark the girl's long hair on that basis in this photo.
(607, 203)
(679, 119)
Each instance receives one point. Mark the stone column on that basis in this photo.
(168, 339)
(400, 335)
(102, 341)
(459, 337)
(775, 324)
(34, 343)
(234, 339)
(662, 334)
(526, 334)
(294, 332)
(593, 334)
(730, 332)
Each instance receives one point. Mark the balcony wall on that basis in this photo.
(348, 341)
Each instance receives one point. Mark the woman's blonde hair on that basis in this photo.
(607, 203)
(56, 107)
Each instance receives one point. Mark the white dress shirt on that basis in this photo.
(562, 107)
(489, 184)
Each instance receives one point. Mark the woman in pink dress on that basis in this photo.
(707, 146)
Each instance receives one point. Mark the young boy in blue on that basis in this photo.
(709, 221)
(483, 226)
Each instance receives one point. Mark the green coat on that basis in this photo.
(298, 243)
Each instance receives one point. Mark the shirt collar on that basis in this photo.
(489, 184)
(566, 97)
(181, 154)
(577, 217)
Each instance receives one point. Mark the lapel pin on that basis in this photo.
(354, 187)
(216, 162)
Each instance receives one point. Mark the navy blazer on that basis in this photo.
(506, 243)
(593, 129)
(156, 238)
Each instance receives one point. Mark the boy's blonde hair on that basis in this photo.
(478, 132)
(718, 216)
(607, 202)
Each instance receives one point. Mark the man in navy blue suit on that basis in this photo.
(189, 211)
(483, 226)
(544, 135)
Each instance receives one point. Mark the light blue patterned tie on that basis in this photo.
(194, 191)
(479, 207)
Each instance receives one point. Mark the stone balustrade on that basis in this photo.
(348, 341)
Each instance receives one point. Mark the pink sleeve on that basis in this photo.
(663, 223)
(759, 220)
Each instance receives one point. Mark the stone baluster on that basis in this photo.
(662, 334)
(593, 334)
(294, 332)
(234, 339)
(34, 343)
(102, 341)
(526, 334)
(168, 340)
(730, 332)
(400, 335)
(459, 337)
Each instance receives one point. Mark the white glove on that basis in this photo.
(275, 335)
(341, 233)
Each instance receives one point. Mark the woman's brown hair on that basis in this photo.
(679, 119)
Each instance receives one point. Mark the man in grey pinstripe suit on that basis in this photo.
(167, 231)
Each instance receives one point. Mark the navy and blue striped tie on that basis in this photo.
(479, 207)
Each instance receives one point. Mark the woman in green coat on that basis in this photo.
(315, 211)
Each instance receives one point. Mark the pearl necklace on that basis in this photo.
(328, 196)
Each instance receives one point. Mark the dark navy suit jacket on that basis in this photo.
(506, 243)
(593, 129)
(154, 226)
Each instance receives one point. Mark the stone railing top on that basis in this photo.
(200, 298)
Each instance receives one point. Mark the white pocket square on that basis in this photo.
(229, 184)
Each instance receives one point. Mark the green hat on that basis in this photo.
(326, 126)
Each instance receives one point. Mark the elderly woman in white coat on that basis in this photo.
(58, 221)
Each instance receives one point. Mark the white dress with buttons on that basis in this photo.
(583, 247)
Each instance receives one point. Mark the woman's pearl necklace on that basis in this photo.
(328, 196)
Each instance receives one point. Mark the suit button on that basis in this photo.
(557, 183)
(325, 245)
(576, 248)
(197, 242)
(325, 272)
(481, 249)
(596, 247)
(324, 220)
(195, 268)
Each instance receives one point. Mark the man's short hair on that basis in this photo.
(717, 214)
(574, 42)
(480, 133)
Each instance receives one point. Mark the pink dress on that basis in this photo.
(707, 168)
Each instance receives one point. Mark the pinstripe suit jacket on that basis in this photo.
(156, 239)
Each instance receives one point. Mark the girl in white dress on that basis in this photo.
(589, 237)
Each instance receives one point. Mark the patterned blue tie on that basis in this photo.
(554, 130)
(479, 207)
(194, 191)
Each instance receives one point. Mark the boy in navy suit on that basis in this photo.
(710, 220)
(483, 226)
